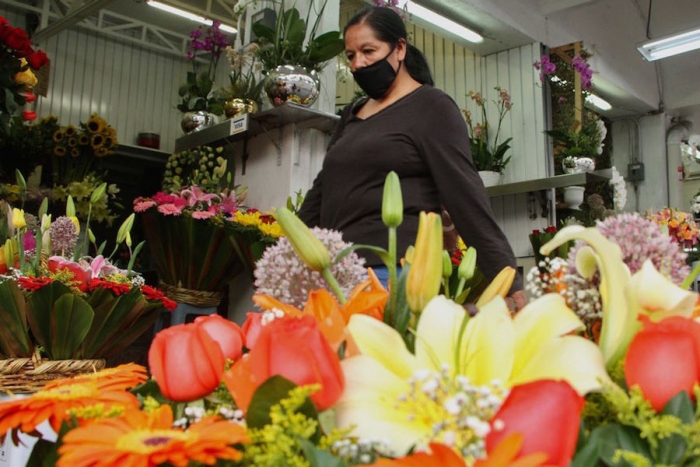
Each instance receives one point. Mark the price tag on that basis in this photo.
(239, 124)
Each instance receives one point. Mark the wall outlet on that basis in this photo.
(635, 172)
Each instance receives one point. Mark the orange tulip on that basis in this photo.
(670, 347)
(226, 333)
(531, 409)
(186, 349)
(295, 349)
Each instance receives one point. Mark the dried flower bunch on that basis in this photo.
(487, 153)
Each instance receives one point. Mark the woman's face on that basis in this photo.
(362, 48)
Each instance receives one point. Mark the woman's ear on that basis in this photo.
(401, 47)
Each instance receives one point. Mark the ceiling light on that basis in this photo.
(440, 21)
(190, 16)
(599, 102)
(670, 45)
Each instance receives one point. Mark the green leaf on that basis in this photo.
(319, 457)
(70, 323)
(44, 454)
(381, 252)
(680, 406)
(14, 332)
(40, 311)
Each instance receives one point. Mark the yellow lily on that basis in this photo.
(425, 274)
(623, 297)
(535, 344)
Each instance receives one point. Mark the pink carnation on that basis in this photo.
(170, 209)
(141, 206)
(164, 198)
(202, 214)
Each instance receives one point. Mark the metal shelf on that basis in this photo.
(558, 181)
(251, 125)
(143, 153)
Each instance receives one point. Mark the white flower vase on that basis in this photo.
(573, 197)
(490, 178)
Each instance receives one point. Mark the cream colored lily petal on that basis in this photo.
(657, 296)
(383, 343)
(539, 321)
(490, 344)
(437, 333)
(571, 358)
(618, 319)
(586, 262)
(368, 405)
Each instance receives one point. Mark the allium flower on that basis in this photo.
(63, 234)
(282, 275)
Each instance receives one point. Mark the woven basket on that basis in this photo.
(201, 298)
(27, 375)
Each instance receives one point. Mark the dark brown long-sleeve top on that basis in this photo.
(422, 137)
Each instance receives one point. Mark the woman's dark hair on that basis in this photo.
(388, 27)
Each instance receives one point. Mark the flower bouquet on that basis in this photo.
(61, 311)
(291, 387)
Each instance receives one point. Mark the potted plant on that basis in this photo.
(243, 95)
(290, 63)
(488, 154)
(198, 103)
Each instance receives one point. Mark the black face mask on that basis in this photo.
(376, 79)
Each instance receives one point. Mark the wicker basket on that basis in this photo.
(27, 375)
(201, 298)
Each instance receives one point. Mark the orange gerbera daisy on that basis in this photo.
(119, 378)
(53, 405)
(145, 440)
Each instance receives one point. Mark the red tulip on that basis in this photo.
(546, 413)
(29, 97)
(186, 363)
(252, 327)
(664, 359)
(226, 333)
(295, 349)
(28, 115)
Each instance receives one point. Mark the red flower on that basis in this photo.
(37, 60)
(664, 359)
(154, 294)
(226, 333)
(115, 287)
(17, 39)
(295, 349)
(252, 327)
(81, 277)
(187, 350)
(531, 409)
(29, 97)
(28, 115)
(33, 283)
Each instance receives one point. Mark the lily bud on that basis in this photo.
(18, 221)
(446, 265)
(91, 236)
(21, 182)
(468, 264)
(9, 252)
(70, 207)
(76, 222)
(392, 201)
(424, 276)
(125, 227)
(45, 222)
(305, 244)
(98, 193)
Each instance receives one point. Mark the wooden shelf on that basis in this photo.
(558, 181)
(251, 125)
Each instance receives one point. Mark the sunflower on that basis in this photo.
(53, 405)
(72, 142)
(97, 141)
(74, 152)
(101, 152)
(119, 378)
(59, 151)
(70, 130)
(109, 141)
(84, 139)
(141, 439)
(58, 136)
(95, 124)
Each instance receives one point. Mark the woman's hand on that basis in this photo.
(516, 301)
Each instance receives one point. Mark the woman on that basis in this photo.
(405, 125)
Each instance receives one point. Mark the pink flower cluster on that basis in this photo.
(545, 66)
(214, 41)
(192, 200)
(581, 67)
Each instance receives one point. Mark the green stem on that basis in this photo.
(460, 287)
(393, 283)
(691, 277)
(326, 273)
(446, 285)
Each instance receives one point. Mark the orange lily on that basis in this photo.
(368, 298)
(439, 456)
(506, 455)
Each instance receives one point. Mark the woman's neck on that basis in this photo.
(403, 85)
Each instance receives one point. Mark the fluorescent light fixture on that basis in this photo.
(599, 102)
(440, 21)
(190, 16)
(670, 45)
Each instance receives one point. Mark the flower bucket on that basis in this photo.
(490, 178)
(190, 253)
